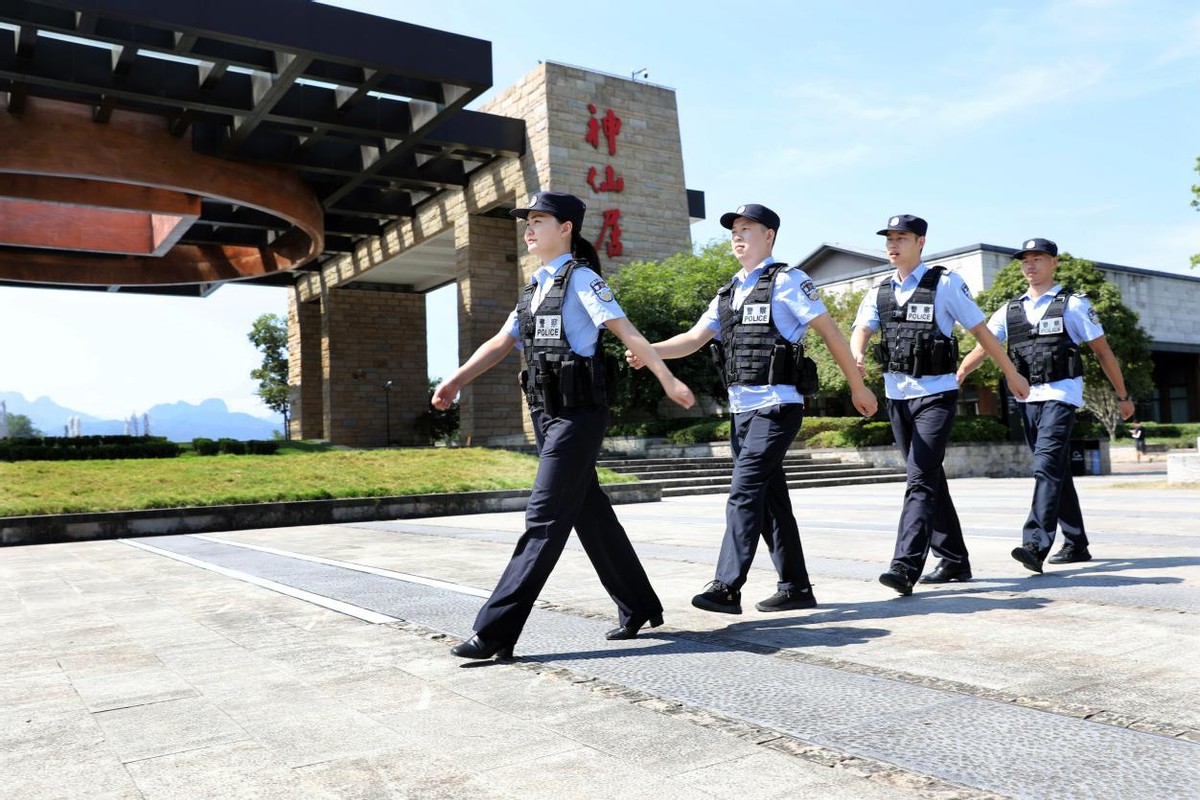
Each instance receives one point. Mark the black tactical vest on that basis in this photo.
(910, 339)
(751, 351)
(556, 377)
(1043, 351)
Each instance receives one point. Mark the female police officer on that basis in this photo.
(556, 323)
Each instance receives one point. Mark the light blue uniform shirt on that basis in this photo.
(595, 305)
(951, 303)
(794, 303)
(1082, 325)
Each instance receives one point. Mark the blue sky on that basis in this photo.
(1076, 120)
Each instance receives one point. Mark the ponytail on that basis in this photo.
(582, 250)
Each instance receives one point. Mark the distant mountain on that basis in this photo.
(179, 422)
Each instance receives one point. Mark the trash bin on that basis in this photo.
(1085, 456)
(1078, 457)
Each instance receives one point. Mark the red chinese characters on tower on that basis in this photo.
(609, 125)
(611, 229)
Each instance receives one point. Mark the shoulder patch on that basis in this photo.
(601, 290)
(810, 290)
(966, 290)
(1093, 316)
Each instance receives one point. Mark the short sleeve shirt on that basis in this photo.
(1082, 325)
(794, 303)
(588, 303)
(952, 303)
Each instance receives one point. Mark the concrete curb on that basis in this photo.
(49, 529)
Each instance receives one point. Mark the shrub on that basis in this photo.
(978, 429)
(707, 431)
(205, 447)
(262, 447)
(86, 448)
(866, 434)
(234, 447)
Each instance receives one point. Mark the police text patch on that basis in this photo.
(1049, 327)
(1093, 316)
(549, 326)
(920, 312)
(810, 291)
(601, 290)
(756, 313)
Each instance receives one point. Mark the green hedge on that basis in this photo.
(716, 430)
(86, 448)
(235, 447)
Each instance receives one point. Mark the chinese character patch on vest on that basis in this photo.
(1049, 327)
(549, 326)
(601, 290)
(919, 312)
(756, 313)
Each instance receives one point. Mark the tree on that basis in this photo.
(269, 335)
(21, 427)
(833, 396)
(436, 425)
(1196, 205)
(663, 298)
(1129, 342)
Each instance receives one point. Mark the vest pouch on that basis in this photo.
(781, 370)
(880, 350)
(1074, 362)
(568, 388)
(548, 390)
(806, 376)
(937, 357)
(716, 351)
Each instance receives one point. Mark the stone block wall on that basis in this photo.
(306, 377)
(373, 337)
(649, 159)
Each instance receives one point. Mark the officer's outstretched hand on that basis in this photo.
(633, 360)
(443, 397)
(679, 392)
(864, 400)
(1019, 386)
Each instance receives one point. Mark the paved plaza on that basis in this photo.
(314, 662)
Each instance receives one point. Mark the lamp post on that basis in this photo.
(387, 411)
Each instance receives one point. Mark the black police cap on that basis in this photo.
(563, 206)
(1037, 246)
(905, 222)
(752, 211)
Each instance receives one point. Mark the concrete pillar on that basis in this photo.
(491, 407)
(305, 375)
(374, 334)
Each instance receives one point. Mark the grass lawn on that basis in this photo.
(58, 487)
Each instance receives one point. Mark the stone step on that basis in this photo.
(663, 475)
(678, 479)
(688, 466)
(613, 463)
(806, 483)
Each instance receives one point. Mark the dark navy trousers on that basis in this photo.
(567, 495)
(1055, 504)
(758, 502)
(922, 427)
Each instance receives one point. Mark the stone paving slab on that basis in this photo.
(1111, 645)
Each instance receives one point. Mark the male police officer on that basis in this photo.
(760, 318)
(916, 308)
(1044, 328)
